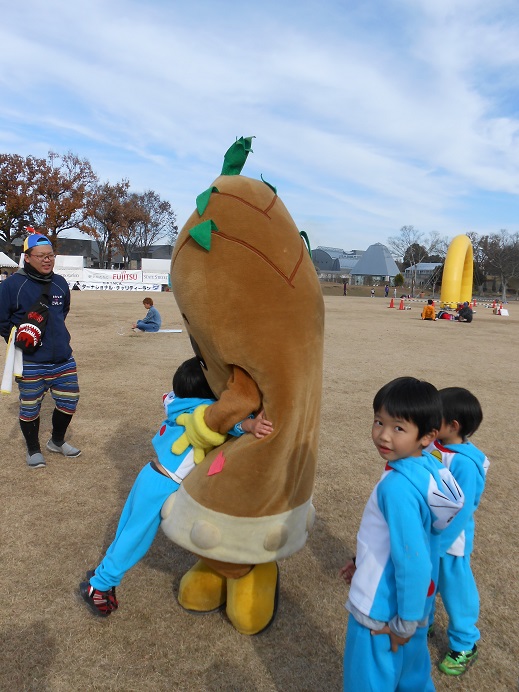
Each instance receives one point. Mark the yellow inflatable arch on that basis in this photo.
(457, 273)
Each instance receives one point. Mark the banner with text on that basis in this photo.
(112, 286)
(132, 276)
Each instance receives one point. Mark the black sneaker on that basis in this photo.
(101, 603)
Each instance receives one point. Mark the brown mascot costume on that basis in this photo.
(244, 281)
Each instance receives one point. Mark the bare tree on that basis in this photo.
(18, 177)
(479, 252)
(502, 255)
(63, 185)
(105, 217)
(159, 221)
(415, 247)
(133, 215)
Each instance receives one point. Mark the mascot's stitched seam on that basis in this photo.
(244, 201)
(252, 249)
(271, 205)
(297, 265)
(288, 279)
(180, 248)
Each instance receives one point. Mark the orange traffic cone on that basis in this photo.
(391, 303)
(474, 302)
(401, 306)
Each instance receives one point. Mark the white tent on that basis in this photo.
(69, 262)
(6, 261)
(155, 265)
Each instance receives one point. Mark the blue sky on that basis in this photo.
(368, 114)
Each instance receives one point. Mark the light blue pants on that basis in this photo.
(371, 666)
(146, 326)
(138, 526)
(459, 593)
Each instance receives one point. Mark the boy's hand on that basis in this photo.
(396, 641)
(259, 426)
(347, 571)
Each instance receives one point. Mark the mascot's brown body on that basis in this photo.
(252, 305)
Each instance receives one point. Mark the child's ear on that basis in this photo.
(429, 437)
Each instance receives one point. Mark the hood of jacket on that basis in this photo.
(174, 405)
(467, 449)
(437, 486)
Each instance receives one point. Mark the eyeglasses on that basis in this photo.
(42, 258)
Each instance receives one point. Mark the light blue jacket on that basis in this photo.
(179, 465)
(398, 543)
(153, 317)
(469, 467)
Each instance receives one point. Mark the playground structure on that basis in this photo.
(457, 273)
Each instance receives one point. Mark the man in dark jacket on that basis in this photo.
(50, 365)
(465, 313)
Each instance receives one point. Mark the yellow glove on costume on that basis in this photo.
(197, 434)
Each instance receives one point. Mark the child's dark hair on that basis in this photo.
(189, 381)
(461, 405)
(411, 400)
(147, 301)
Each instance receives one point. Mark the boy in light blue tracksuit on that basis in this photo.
(462, 416)
(140, 518)
(392, 587)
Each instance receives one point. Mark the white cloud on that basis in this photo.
(368, 116)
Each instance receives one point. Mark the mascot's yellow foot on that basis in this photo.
(202, 589)
(252, 600)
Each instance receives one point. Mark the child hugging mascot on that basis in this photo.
(248, 292)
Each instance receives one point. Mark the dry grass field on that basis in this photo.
(57, 521)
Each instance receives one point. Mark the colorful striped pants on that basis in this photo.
(38, 378)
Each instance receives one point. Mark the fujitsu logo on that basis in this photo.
(35, 316)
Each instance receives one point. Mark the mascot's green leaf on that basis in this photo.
(271, 186)
(236, 155)
(305, 237)
(203, 199)
(201, 233)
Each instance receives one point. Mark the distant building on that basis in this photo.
(89, 250)
(374, 267)
(335, 264)
(424, 272)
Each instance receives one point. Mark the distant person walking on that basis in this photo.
(386, 291)
(152, 321)
(372, 292)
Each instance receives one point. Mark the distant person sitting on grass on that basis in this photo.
(140, 518)
(465, 313)
(428, 312)
(152, 321)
